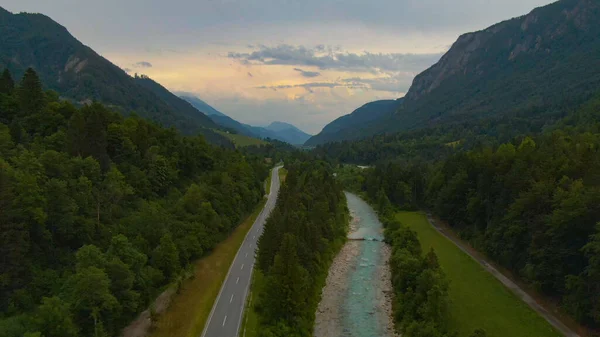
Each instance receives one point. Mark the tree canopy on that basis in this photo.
(98, 213)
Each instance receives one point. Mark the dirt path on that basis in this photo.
(548, 316)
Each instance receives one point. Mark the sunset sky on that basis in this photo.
(303, 62)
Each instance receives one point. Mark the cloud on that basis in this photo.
(142, 64)
(308, 73)
(398, 83)
(327, 57)
(304, 85)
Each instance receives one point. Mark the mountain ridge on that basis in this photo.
(538, 63)
(357, 121)
(282, 131)
(81, 75)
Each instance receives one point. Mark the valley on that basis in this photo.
(477, 298)
(460, 197)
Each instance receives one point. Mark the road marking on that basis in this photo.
(263, 216)
(254, 237)
(242, 267)
(231, 299)
(238, 280)
(246, 255)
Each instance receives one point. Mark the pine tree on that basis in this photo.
(30, 94)
(288, 283)
(7, 85)
(96, 141)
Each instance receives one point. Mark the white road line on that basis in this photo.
(246, 255)
(262, 217)
(242, 267)
(238, 280)
(254, 237)
(231, 299)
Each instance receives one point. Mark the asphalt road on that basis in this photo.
(226, 315)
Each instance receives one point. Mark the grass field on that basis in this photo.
(250, 326)
(268, 190)
(478, 300)
(282, 174)
(241, 140)
(191, 306)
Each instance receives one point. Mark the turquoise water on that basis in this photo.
(360, 315)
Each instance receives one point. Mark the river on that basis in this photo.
(356, 301)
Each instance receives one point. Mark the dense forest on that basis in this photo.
(420, 286)
(300, 239)
(531, 204)
(431, 144)
(98, 213)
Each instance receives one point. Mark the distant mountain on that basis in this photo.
(535, 65)
(277, 130)
(288, 133)
(354, 125)
(280, 126)
(201, 105)
(78, 73)
(219, 117)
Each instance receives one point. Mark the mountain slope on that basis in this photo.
(346, 127)
(219, 117)
(288, 133)
(534, 65)
(277, 130)
(201, 105)
(78, 73)
(174, 102)
(537, 61)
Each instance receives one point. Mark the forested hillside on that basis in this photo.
(79, 74)
(531, 204)
(434, 143)
(534, 65)
(355, 125)
(300, 239)
(98, 213)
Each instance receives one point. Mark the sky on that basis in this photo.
(302, 62)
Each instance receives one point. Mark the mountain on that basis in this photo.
(535, 65)
(174, 102)
(288, 133)
(201, 105)
(345, 127)
(220, 118)
(79, 74)
(277, 130)
(280, 126)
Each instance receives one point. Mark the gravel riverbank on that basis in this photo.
(330, 316)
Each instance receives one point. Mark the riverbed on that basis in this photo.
(356, 300)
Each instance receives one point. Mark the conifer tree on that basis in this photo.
(30, 94)
(7, 85)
